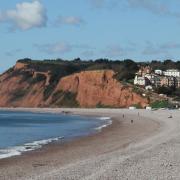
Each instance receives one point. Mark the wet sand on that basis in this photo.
(108, 154)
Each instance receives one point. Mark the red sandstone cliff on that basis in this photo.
(11, 90)
(100, 87)
(91, 88)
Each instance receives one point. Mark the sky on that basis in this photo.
(141, 30)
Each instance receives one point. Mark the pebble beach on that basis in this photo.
(138, 145)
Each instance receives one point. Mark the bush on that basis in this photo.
(165, 90)
(100, 105)
(64, 99)
(160, 104)
(48, 91)
(18, 94)
(137, 90)
(38, 78)
(26, 76)
(57, 96)
(176, 92)
(59, 68)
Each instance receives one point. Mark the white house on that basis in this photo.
(132, 108)
(148, 108)
(138, 80)
(158, 71)
(172, 72)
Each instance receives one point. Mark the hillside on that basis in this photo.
(66, 84)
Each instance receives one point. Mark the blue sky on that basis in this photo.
(138, 29)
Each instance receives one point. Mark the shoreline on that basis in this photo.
(39, 144)
(116, 137)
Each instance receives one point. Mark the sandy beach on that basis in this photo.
(147, 148)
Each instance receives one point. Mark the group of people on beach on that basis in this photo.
(131, 119)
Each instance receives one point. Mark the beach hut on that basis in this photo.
(132, 108)
(148, 108)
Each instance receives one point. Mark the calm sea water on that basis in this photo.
(25, 131)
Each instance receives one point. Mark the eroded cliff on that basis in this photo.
(25, 86)
(100, 88)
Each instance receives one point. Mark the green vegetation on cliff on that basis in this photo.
(161, 104)
(125, 70)
(64, 99)
(18, 94)
(56, 69)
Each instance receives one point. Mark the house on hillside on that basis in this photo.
(141, 81)
(144, 70)
(177, 82)
(158, 72)
(172, 72)
(157, 81)
(168, 81)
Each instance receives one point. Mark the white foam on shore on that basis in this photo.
(104, 118)
(18, 150)
(107, 120)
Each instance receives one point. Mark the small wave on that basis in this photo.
(18, 150)
(104, 118)
(108, 122)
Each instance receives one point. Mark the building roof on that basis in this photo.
(172, 70)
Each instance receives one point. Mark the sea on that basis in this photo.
(26, 131)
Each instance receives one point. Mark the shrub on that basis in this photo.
(160, 104)
(25, 76)
(165, 90)
(48, 91)
(137, 90)
(100, 105)
(18, 94)
(38, 78)
(64, 99)
(57, 96)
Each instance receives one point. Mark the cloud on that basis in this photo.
(152, 50)
(104, 3)
(154, 6)
(88, 53)
(159, 7)
(61, 47)
(98, 3)
(69, 20)
(55, 48)
(170, 46)
(13, 52)
(25, 15)
(162, 49)
(114, 51)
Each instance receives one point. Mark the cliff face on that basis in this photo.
(15, 92)
(20, 66)
(23, 87)
(100, 88)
